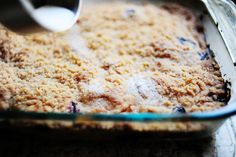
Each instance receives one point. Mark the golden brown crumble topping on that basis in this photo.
(120, 58)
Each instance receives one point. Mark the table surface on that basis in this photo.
(222, 144)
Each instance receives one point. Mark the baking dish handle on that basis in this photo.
(223, 13)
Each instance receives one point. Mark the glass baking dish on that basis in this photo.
(219, 24)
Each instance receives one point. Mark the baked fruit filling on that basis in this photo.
(118, 58)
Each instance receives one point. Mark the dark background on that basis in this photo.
(24, 142)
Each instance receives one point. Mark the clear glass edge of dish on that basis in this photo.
(130, 117)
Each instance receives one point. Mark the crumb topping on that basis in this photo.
(124, 58)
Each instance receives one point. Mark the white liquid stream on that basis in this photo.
(54, 18)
